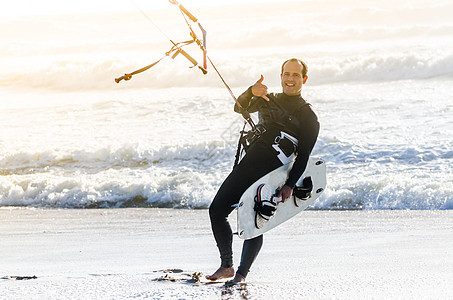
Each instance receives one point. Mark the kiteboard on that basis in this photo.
(308, 188)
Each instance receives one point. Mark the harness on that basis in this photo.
(286, 147)
(246, 139)
(284, 144)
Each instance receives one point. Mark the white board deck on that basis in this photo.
(316, 168)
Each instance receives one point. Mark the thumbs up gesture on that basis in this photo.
(259, 89)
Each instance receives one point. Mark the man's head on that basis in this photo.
(293, 76)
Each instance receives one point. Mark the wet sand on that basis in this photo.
(121, 253)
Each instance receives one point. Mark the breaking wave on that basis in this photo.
(86, 75)
(188, 177)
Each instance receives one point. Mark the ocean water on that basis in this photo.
(380, 80)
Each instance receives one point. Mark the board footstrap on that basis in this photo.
(264, 208)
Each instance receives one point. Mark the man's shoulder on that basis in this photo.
(306, 110)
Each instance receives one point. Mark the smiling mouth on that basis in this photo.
(290, 84)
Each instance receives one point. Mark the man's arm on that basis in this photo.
(257, 90)
(307, 140)
(244, 100)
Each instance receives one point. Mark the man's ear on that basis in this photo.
(305, 79)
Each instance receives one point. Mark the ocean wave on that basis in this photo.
(152, 188)
(189, 189)
(170, 176)
(188, 176)
(79, 75)
(131, 156)
(208, 156)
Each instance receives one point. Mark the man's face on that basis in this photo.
(291, 77)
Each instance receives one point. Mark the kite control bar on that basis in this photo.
(190, 58)
(176, 49)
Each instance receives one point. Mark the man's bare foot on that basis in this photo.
(221, 273)
(238, 278)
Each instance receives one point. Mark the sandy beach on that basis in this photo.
(120, 254)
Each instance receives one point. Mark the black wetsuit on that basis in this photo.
(290, 114)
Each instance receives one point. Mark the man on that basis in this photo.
(281, 114)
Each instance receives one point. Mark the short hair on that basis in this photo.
(304, 66)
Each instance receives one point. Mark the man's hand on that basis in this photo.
(285, 192)
(259, 89)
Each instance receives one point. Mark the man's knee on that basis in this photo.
(216, 211)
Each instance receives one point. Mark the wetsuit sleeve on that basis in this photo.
(248, 101)
(307, 140)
